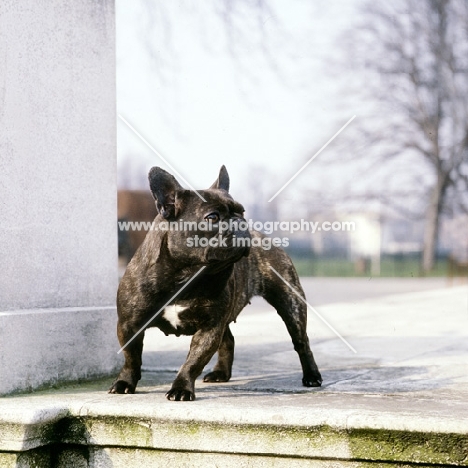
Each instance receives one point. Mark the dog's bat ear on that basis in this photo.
(222, 182)
(164, 187)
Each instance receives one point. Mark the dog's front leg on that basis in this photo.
(130, 374)
(202, 348)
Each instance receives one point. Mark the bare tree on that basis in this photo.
(414, 55)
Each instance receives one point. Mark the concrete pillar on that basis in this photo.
(58, 236)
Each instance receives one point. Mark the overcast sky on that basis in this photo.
(201, 106)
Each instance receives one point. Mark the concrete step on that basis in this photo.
(230, 427)
(401, 399)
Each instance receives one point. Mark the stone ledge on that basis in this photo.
(145, 426)
(400, 401)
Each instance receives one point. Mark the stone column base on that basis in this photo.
(44, 347)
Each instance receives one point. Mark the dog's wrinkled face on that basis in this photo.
(208, 232)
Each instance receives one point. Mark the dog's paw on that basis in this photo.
(312, 381)
(216, 376)
(122, 386)
(180, 394)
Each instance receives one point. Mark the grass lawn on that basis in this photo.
(389, 267)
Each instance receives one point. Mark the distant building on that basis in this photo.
(454, 237)
(133, 206)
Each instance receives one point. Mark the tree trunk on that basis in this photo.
(431, 228)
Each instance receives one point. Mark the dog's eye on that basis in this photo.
(214, 217)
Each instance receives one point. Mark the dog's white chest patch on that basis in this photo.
(171, 314)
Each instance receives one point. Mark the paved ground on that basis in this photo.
(406, 344)
(321, 291)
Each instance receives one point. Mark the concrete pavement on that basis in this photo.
(401, 398)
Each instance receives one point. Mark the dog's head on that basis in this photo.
(209, 232)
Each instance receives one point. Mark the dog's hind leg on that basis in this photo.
(222, 370)
(294, 314)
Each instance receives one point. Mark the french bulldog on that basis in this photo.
(168, 266)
